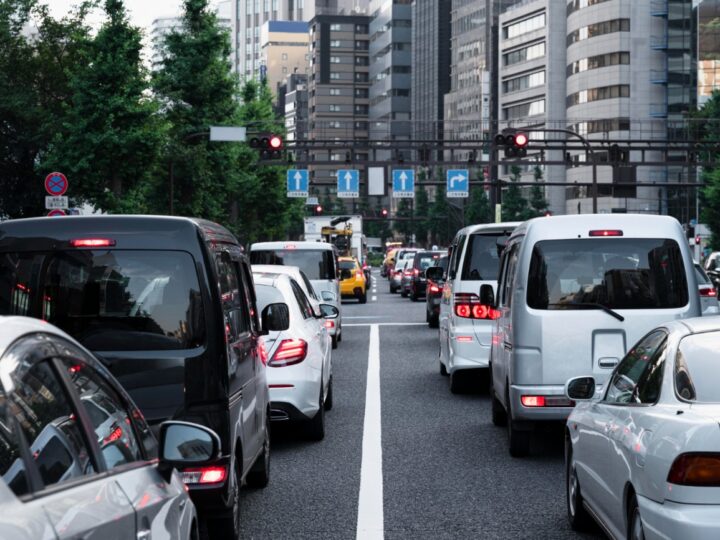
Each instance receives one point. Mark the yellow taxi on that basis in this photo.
(352, 279)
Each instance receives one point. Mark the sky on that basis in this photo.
(142, 12)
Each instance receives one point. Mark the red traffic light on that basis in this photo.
(275, 142)
(697, 240)
(318, 209)
(384, 212)
(521, 140)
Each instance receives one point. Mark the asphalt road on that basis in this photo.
(446, 471)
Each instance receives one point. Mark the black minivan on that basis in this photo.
(168, 304)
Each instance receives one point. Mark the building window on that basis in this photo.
(334, 91)
(284, 69)
(598, 29)
(574, 5)
(361, 45)
(335, 76)
(532, 108)
(536, 50)
(524, 82)
(284, 56)
(334, 59)
(335, 108)
(361, 28)
(523, 27)
(361, 61)
(598, 94)
(335, 43)
(600, 126)
(599, 61)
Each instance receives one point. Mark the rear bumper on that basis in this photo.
(300, 401)
(210, 500)
(467, 355)
(538, 414)
(675, 520)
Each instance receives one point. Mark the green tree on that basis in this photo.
(538, 205)
(421, 216)
(111, 137)
(404, 225)
(440, 219)
(35, 79)
(197, 90)
(514, 205)
(478, 209)
(707, 127)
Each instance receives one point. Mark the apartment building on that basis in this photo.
(295, 106)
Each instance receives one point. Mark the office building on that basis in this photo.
(161, 27)
(430, 66)
(285, 50)
(295, 106)
(708, 14)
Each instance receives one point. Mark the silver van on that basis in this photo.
(318, 260)
(465, 324)
(573, 293)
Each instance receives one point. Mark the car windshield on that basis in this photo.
(109, 300)
(697, 368)
(618, 273)
(482, 257)
(316, 263)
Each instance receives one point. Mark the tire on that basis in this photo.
(443, 370)
(334, 341)
(393, 290)
(635, 525)
(329, 397)
(457, 382)
(227, 525)
(403, 292)
(259, 475)
(363, 298)
(414, 297)
(577, 514)
(434, 321)
(518, 440)
(427, 316)
(499, 416)
(316, 425)
(339, 334)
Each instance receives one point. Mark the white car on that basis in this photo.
(299, 359)
(707, 291)
(643, 454)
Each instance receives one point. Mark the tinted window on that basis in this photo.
(482, 257)
(620, 273)
(423, 261)
(701, 276)
(111, 422)
(643, 363)
(233, 299)
(317, 264)
(112, 299)
(308, 286)
(267, 295)
(44, 415)
(697, 368)
(346, 265)
(305, 307)
(442, 262)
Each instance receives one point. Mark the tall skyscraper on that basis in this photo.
(430, 66)
(708, 49)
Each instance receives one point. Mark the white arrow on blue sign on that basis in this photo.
(458, 184)
(348, 183)
(403, 183)
(297, 183)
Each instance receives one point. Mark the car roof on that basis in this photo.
(269, 279)
(698, 325)
(276, 269)
(14, 327)
(489, 227)
(300, 245)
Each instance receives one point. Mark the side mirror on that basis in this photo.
(328, 296)
(345, 274)
(487, 295)
(275, 318)
(434, 273)
(329, 312)
(183, 444)
(580, 388)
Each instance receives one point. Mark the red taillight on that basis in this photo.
(463, 310)
(708, 292)
(359, 274)
(696, 469)
(91, 242)
(434, 288)
(606, 232)
(533, 401)
(329, 324)
(114, 436)
(290, 352)
(262, 351)
(416, 272)
(204, 475)
(281, 386)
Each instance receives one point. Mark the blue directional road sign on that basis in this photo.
(348, 183)
(458, 183)
(403, 183)
(297, 183)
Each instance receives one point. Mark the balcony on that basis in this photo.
(658, 76)
(659, 43)
(659, 8)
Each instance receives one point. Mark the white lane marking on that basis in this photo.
(367, 317)
(370, 523)
(387, 324)
(374, 298)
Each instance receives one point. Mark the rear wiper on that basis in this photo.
(591, 305)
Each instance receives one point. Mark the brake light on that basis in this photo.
(408, 273)
(546, 401)
(606, 232)
(416, 272)
(696, 469)
(114, 436)
(463, 339)
(533, 401)
(91, 242)
(290, 246)
(708, 292)
(290, 352)
(204, 475)
(262, 351)
(434, 288)
(358, 274)
(329, 324)
(468, 306)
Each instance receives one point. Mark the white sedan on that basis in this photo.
(643, 454)
(299, 359)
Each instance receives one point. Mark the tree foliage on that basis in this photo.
(709, 130)
(421, 214)
(478, 209)
(514, 205)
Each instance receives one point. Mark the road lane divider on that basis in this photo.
(370, 523)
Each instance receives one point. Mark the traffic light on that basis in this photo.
(269, 145)
(318, 210)
(697, 240)
(513, 142)
(384, 212)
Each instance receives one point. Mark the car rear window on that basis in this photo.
(619, 273)
(697, 377)
(316, 263)
(482, 257)
(109, 300)
(346, 265)
(701, 276)
(423, 261)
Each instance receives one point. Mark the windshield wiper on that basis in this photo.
(590, 305)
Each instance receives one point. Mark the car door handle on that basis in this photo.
(507, 346)
(608, 363)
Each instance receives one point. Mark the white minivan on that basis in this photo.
(465, 324)
(573, 293)
(318, 260)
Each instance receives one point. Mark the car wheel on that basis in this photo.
(329, 397)
(403, 293)
(392, 289)
(259, 475)
(227, 525)
(635, 525)
(334, 340)
(457, 382)
(443, 370)
(339, 334)
(518, 440)
(414, 297)
(427, 316)
(577, 514)
(363, 298)
(316, 426)
(434, 321)
(499, 416)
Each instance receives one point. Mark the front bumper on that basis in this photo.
(533, 414)
(675, 520)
